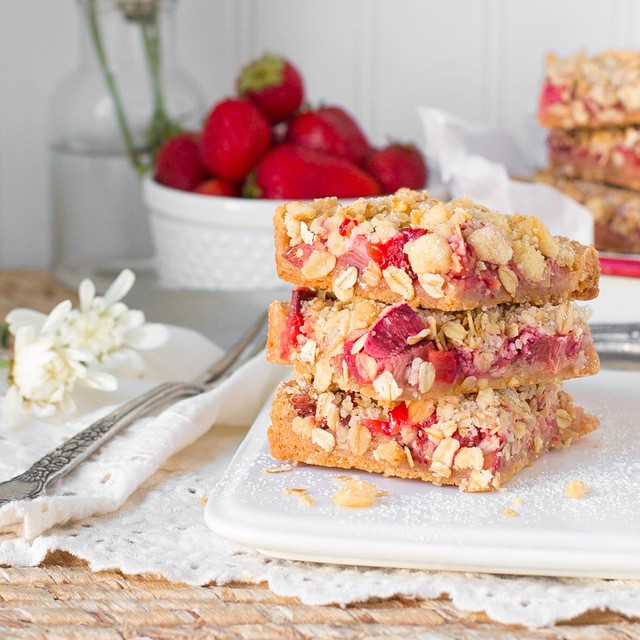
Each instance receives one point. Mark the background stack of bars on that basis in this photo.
(398, 367)
(591, 106)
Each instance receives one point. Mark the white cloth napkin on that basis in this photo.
(104, 482)
(477, 161)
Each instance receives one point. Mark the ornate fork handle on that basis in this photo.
(72, 452)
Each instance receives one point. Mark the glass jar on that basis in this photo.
(125, 96)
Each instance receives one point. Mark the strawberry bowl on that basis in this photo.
(211, 242)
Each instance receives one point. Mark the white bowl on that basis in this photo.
(211, 242)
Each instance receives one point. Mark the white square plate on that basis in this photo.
(418, 525)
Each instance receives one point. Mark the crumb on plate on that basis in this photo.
(355, 492)
(576, 489)
(303, 495)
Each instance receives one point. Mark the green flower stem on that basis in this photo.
(161, 126)
(96, 36)
(5, 336)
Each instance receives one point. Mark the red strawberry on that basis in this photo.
(178, 164)
(397, 166)
(219, 187)
(330, 129)
(291, 172)
(234, 137)
(274, 85)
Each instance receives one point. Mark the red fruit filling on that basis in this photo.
(550, 351)
(398, 419)
(347, 226)
(551, 94)
(630, 156)
(388, 336)
(295, 320)
(392, 252)
(304, 405)
(422, 447)
(446, 365)
(298, 255)
(387, 343)
(359, 254)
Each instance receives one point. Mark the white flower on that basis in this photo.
(53, 353)
(45, 371)
(106, 330)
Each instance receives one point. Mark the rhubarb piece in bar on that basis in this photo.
(602, 155)
(616, 211)
(475, 441)
(582, 91)
(438, 255)
(395, 352)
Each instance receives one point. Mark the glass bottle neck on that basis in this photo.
(122, 32)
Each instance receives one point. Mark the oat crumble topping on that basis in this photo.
(588, 91)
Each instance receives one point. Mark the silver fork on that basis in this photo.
(617, 341)
(51, 467)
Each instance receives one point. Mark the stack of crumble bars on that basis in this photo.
(591, 106)
(428, 339)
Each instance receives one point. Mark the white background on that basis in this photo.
(481, 59)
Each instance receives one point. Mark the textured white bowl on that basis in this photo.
(211, 242)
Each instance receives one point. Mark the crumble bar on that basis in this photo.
(602, 155)
(581, 91)
(448, 256)
(616, 211)
(475, 441)
(396, 352)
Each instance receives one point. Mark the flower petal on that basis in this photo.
(131, 319)
(56, 317)
(42, 409)
(119, 287)
(100, 380)
(86, 293)
(23, 337)
(25, 318)
(149, 336)
(11, 405)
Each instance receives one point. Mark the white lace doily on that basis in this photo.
(160, 526)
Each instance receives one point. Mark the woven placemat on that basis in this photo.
(63, 599)
(34, 289)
